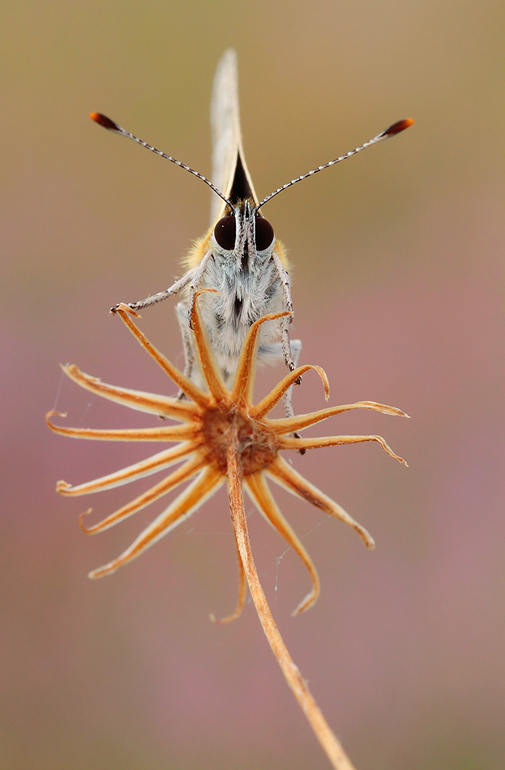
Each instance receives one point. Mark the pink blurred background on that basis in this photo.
(399, 295)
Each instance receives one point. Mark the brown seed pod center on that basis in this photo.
(258, 444)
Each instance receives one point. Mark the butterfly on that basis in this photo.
(240, 259)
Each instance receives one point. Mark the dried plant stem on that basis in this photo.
(324, 734)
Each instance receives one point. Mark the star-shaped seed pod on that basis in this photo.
(202, 439)
(224, 437)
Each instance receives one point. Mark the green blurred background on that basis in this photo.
(398, 290)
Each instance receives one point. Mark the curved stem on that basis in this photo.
(323, 732)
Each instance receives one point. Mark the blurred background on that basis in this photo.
(399, 295)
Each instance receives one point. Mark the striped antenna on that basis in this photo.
(393, 130)
(106, 122)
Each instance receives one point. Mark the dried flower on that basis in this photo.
(202, 440)
(224, 437)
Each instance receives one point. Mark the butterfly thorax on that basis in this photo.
(245, 277)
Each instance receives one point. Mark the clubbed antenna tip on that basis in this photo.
(401, 125)
(104, 121)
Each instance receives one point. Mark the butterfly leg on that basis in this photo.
(175, 289)
(287, 346)
(295, 348)
(184, 311)
(285, 282)
(275, 352)
(195, 281)
(187, 345)
(288, 349)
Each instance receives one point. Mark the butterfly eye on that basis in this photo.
(264, 233)
(224, 233)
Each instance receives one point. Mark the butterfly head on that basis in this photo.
(243, 233)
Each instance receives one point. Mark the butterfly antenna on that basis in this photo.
(106, 122)
(393, 130)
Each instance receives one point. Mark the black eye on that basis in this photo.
(264, 233)
(224, 233)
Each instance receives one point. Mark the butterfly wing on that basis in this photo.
(229, 170)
